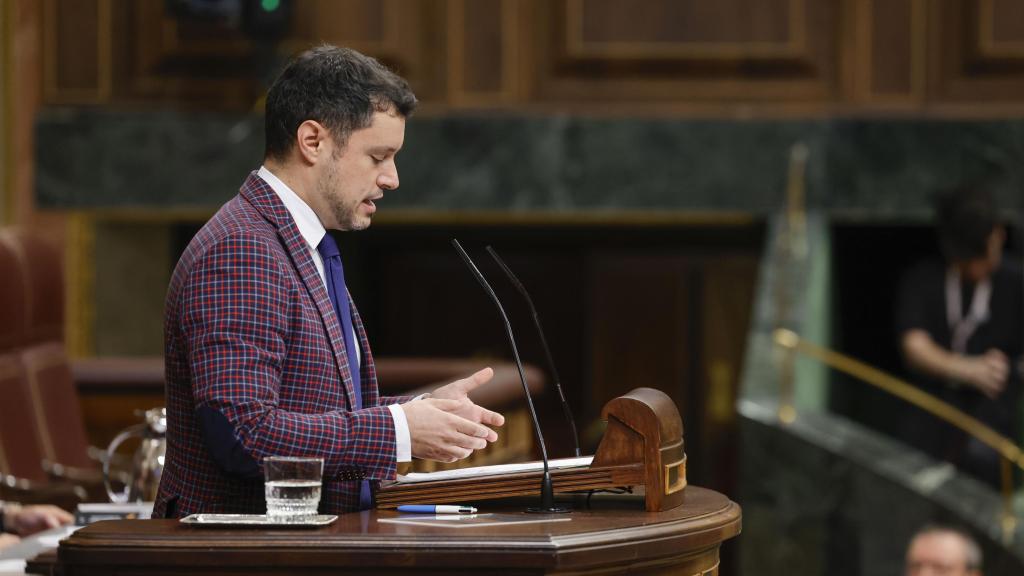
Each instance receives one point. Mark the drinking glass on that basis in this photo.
(292, 487)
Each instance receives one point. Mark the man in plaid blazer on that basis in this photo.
(256, 354)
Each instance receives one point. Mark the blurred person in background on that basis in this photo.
(960, 326)
(959, 322)
(943, 551)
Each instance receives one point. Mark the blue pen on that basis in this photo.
(437, 509)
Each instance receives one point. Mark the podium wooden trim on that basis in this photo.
(642, 446)
(616, 536)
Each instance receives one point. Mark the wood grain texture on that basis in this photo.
(643, 446)
(610, 539)
(681, 56)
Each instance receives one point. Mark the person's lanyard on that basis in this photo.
(961, 328)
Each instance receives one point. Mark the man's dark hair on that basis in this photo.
(337, 87)
(966, 217)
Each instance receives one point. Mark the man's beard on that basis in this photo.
(344, 215)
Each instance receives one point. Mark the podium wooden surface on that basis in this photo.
(616, 535)
(642, 447)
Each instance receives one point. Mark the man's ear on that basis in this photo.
(310, 138)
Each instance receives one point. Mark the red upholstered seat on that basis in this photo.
(55, 401)
(43, 278)
(52, 418)
(13, 299)
(20, 452)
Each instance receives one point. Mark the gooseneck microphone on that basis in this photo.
(547, 492)
(543, 342)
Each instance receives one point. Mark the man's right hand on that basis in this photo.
(987, 372)
(438, 434)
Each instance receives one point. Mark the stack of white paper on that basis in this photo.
(496, 470)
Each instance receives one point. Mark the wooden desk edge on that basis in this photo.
(654, 543)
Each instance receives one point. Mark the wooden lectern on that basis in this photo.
(615, 536)
(642, 446)
(653, 533)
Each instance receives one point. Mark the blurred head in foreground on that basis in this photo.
(943, 551)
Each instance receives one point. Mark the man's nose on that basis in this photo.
(388, 180)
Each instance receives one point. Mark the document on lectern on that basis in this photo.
(495, 470)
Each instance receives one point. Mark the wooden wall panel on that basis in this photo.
(684, 29)
(482, 46)
(160, 58)
(27, 61)
(397, 32)
(678, 323)
(727, 289)
(891, 51)
(682, 56)
(135, 50)
(1001, 28)
(77, 62)
(886, 53)
(6, 112)
(637, 298)
(483, 56)
(686, 51)
(896, 30)
(976, 51)
(359, 22)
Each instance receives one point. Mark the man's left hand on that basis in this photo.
(459, 390)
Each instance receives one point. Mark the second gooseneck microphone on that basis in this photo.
(543, 343)
(547, 493)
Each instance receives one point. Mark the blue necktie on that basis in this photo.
(335, 273)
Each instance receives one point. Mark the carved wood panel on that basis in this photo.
(685, 30)
(135, 50)
(6, 116)
(727, 289)
(562, 54)
(691, 312)
(976, 51)
(641, 298)
(686, 50)
(77, 39)
(888, 43)
(483, 51)
(1001, 29)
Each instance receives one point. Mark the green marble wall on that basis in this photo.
(857, 167)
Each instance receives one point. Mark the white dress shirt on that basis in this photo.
(313, 232)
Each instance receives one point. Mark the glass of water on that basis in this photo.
(292, 487)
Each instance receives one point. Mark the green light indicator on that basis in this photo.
(270, 5)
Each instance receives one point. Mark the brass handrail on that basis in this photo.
(1006, 448)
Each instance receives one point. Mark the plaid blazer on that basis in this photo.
(250, 331)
